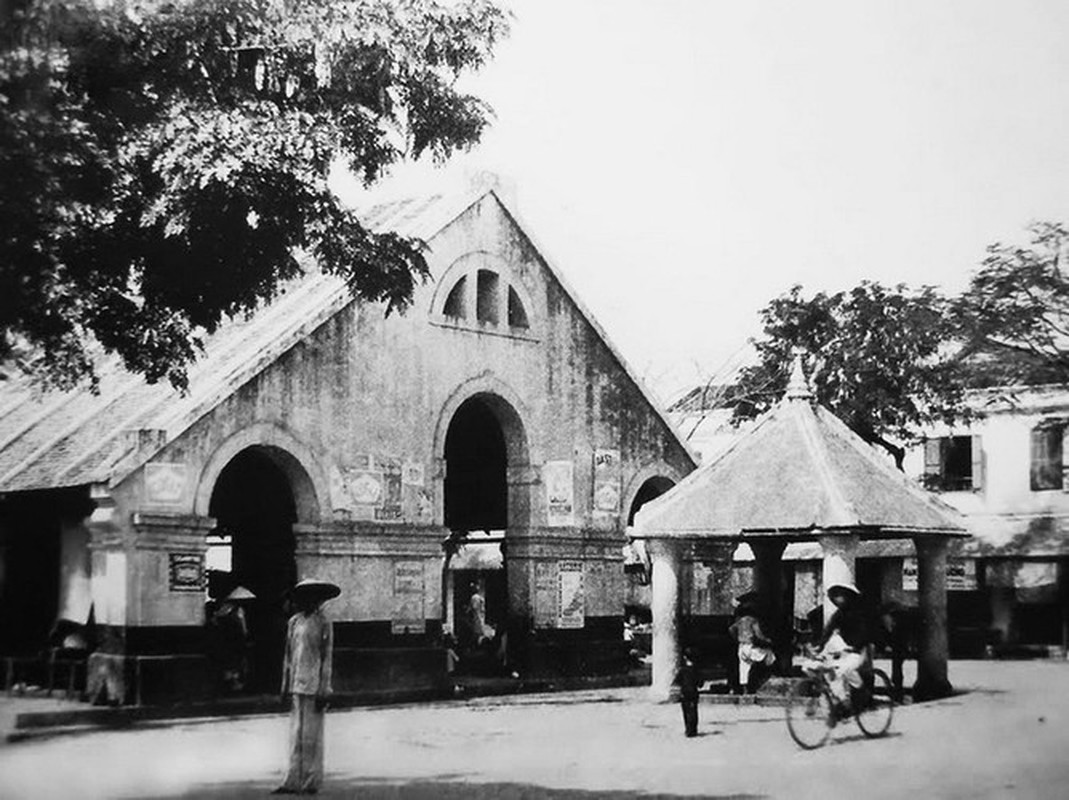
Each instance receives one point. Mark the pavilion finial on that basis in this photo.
(798, 386)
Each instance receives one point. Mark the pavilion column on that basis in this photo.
(666, 560)
(768, 583)
(840, 556)
(934, 648)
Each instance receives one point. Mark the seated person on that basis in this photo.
(846, 640)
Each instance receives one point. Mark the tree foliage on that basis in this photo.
(877, 357)
(1014, 316)
(165, 164)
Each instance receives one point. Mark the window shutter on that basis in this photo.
(1038, 457)
(933, 456)
(1065, 459)
(977, 463)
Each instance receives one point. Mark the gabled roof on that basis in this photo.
(56, 439)
(798, 471)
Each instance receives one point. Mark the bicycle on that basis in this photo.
(812, 710)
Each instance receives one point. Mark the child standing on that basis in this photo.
(687, 678)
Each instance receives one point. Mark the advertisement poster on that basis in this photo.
(607, 476)
(545, 594)
(408, 616)
(560, 493)
(185, 572)
(961, 574)
(390, 510)
(570, 613)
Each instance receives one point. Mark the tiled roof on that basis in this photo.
(55, 439)
(798, 470)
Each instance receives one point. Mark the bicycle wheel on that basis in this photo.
(809, 713)
(875, 712)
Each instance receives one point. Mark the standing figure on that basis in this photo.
(687, 678)
(753, 646)
(477, 617)
(306, 675)
(231, 633)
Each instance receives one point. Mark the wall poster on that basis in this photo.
(961, 574)
(545, 594)
(571, 599)
(607, 478)
(559, 477)
(185, 572)
(408, 615)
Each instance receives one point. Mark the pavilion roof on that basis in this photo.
(797, 473)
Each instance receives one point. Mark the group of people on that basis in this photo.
(845, 643)
(306, 674)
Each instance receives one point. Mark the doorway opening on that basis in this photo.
(477, 513)
(252, 547)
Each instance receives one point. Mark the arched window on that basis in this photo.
(456, 301)
(484, 299)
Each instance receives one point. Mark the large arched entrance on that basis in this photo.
(484, 439)
(253, 503)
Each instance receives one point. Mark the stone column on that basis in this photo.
(664, 587)
(840, 553)
(933, 650)
(768, 583)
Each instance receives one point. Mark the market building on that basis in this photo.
(490, 440)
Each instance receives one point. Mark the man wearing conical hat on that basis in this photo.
(306, 676)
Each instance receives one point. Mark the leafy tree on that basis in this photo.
(879, 358)
(1014, 316)
(165, 163)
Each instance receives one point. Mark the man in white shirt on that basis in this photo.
(306, 676)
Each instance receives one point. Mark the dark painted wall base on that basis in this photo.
(366, 659)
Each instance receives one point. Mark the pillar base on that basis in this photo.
(931, 689)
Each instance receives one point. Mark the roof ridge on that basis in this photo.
(806, 418)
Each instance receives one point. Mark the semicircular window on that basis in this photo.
(483, 299)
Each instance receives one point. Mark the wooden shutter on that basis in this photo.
(977, 463)
(1037, 458)
(1065, 459)
(933, 462)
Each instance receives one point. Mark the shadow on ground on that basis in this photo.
(445, 787)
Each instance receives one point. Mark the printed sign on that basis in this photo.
(545, 594)
(961, 575)
(559, 477)
(391, 497)
(571, 599)
(185, 572)
(165, 483)
(607, 476)
(408, 616)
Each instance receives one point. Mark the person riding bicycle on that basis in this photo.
(846, 641)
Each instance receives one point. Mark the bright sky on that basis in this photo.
(684, 162)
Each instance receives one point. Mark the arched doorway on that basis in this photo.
(637, 599)
(650, 489)
(484, 438)
(253, 503)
